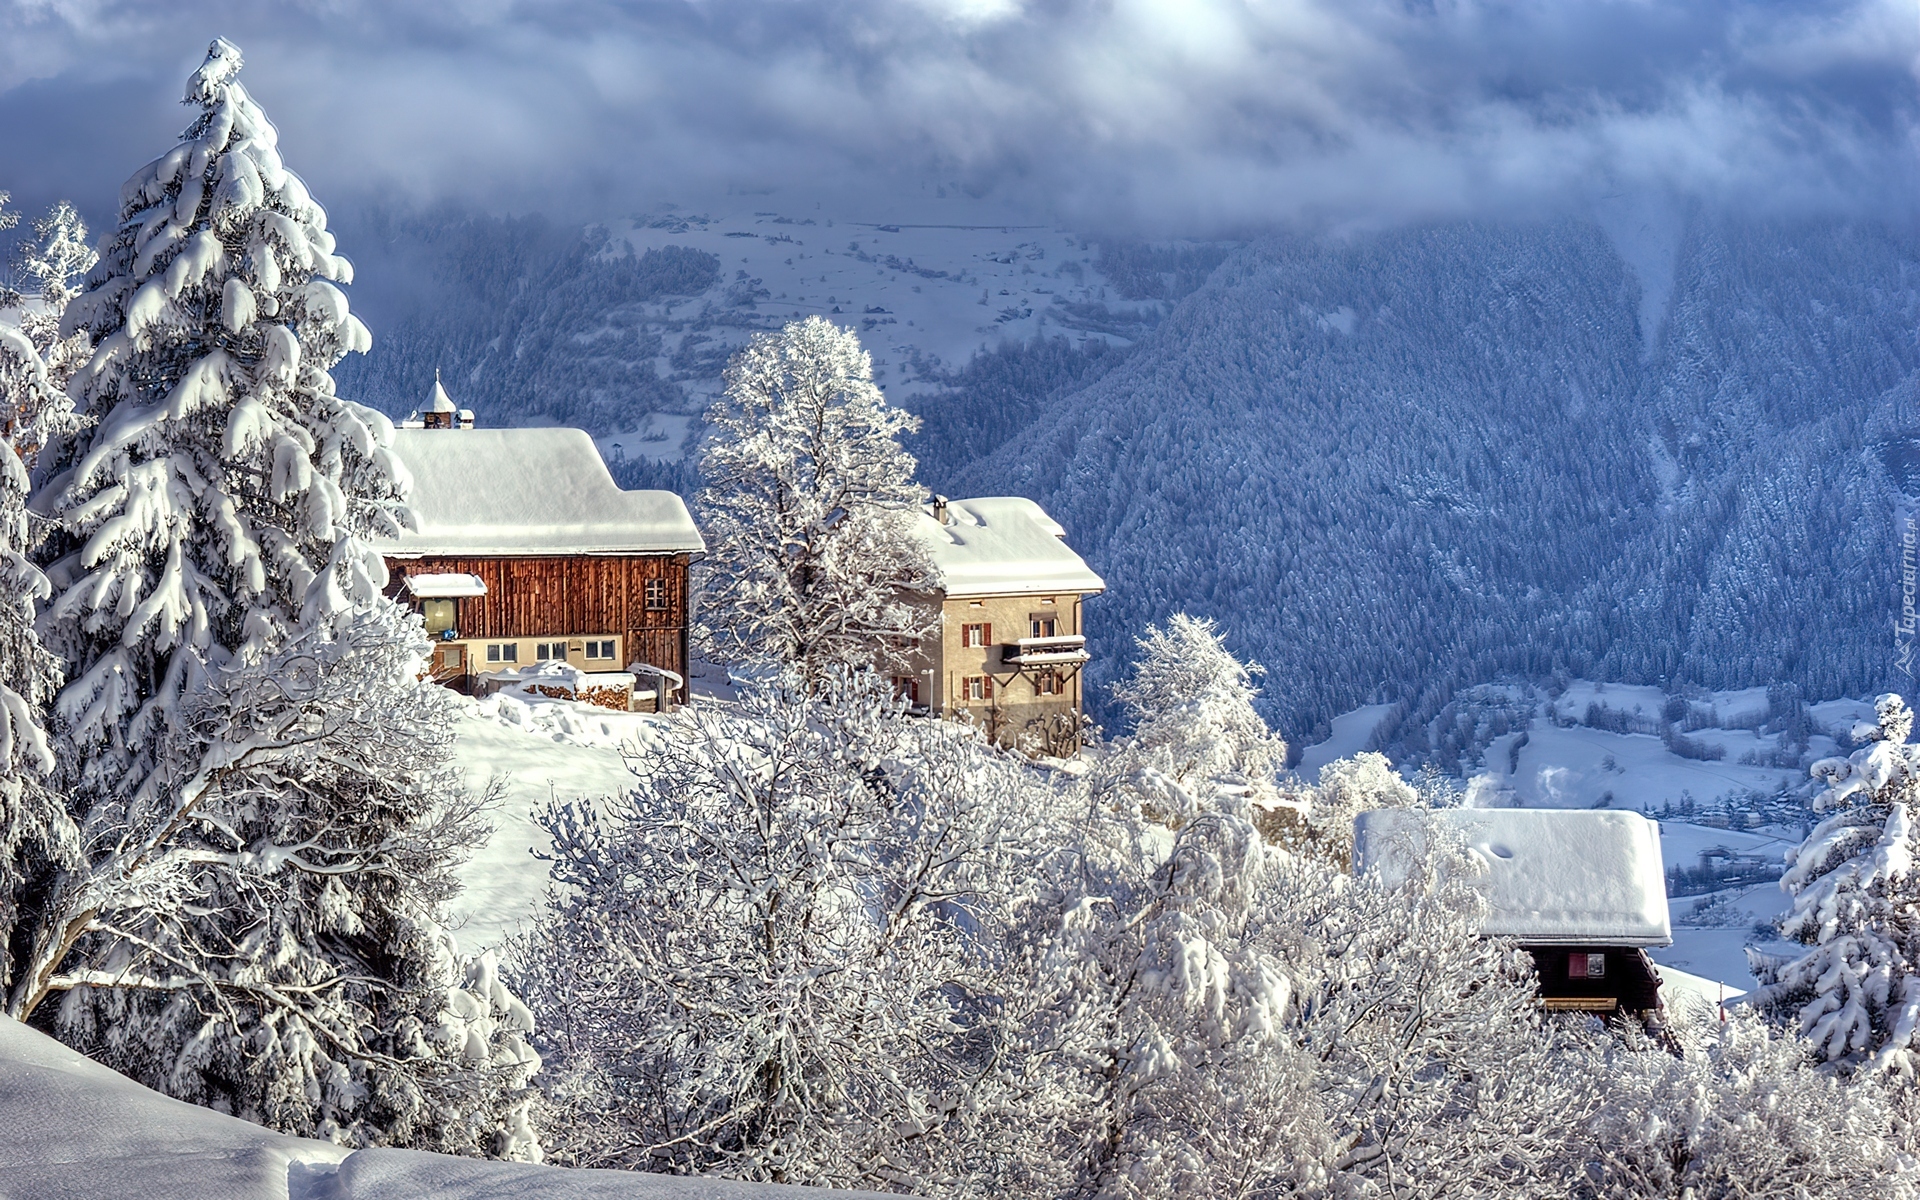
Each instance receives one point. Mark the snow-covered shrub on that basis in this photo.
(1347, 787)
(1856, 992)
(785, 955)
(809, 509)
(1746, 1115)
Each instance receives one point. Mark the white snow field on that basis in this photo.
(540, 750)
(70, 1129)
(934, 286)
(1349, 737)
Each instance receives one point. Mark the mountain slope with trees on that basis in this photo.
(1408, 461)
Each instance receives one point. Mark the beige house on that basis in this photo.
(1010, 647)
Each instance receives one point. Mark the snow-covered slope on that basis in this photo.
(534, 752)
(70, 1129)
(922, 294)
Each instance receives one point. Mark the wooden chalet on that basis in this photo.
(1583, 891)
(526, 551)
(1011, 644)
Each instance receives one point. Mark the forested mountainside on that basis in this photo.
(533, 322)
(1408, 461)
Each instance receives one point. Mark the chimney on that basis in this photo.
(466, 418)
(940, 509)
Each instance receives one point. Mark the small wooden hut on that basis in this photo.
(1583, 891)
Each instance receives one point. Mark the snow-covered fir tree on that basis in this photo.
(52, 264)
(1856, 903)
(809, 507)
(39, 839)
(261, 779)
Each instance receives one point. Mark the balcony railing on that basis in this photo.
(1047, 651)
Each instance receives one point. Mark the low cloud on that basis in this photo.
(1157, 116)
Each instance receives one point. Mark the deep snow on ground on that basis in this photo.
(537, 752)
(70, 1129)
(1349, 737)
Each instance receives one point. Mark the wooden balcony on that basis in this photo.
(1066, 650)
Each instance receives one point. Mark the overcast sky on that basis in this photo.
(1155, 116)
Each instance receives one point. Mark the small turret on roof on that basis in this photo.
(440, 401)
(440, 412)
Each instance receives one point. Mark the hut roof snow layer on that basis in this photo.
(1550, 876)
(529, 492)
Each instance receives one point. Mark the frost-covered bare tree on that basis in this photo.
(1745, 1114)
(268, 943)
(1191, 703)
(1856, 991)
(785, 955)
(260, 780)
(808, 508)
(1271, 1026)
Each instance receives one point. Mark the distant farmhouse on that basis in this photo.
(527, 551)
(1583, 891)
(1011, 647)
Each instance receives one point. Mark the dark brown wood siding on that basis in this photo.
(571, 596)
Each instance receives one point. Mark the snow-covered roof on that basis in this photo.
(439, 401)
(1550, 876)
(529, 492)
(1003, 546)
(443, 587)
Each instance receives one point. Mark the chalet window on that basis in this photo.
(556, 651)
(906, 687)
(439, 615)
(976, 688)
(603, 649)
(1042, 624)
(1586, 966)
(503, 652)
(1048, 683)
(656, 596)
(976, 635)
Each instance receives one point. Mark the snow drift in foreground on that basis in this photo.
(75, 1129)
